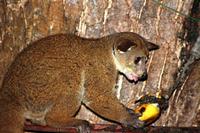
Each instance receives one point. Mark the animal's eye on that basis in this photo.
(137, 60)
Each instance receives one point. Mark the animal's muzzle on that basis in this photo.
(144, 76)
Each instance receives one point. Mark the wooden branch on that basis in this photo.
(95, 128)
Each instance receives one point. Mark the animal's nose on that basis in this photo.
(144, 76)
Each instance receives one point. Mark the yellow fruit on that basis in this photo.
(149, 111)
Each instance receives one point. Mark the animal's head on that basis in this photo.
(131, 52)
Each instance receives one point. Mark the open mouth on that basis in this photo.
(133, 76)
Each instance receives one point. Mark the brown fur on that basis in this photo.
(51, 78)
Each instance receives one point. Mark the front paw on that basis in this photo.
(132, 121)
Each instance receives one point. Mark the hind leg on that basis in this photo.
(11, 118)
(64, 110)
(62, 115)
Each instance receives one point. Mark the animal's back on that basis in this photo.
(37, 73)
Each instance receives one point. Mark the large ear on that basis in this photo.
(125, 45)
(151, 46)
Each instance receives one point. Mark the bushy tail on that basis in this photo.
(11, 117)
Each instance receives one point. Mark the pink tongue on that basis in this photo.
(133, 77)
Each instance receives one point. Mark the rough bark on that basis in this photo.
(23, 21)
